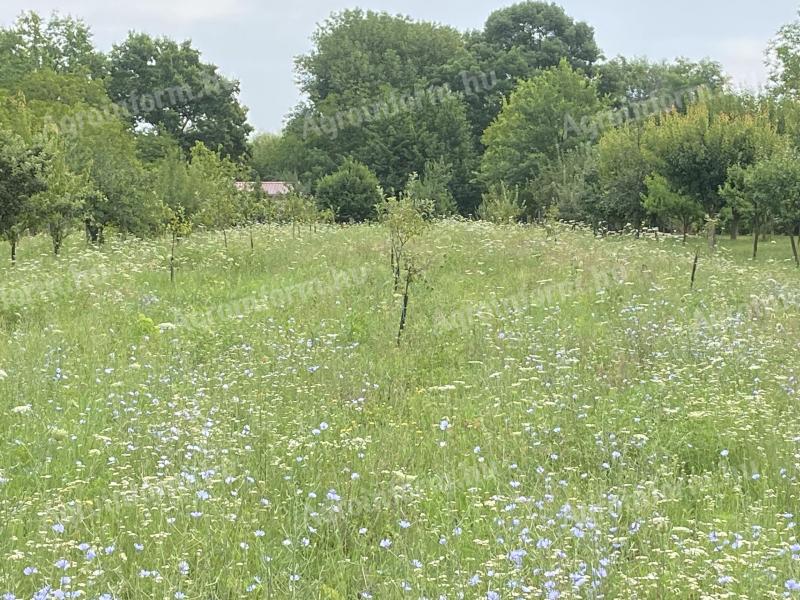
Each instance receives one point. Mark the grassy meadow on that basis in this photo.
(564, 418)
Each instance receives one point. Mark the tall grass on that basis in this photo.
(563, 418)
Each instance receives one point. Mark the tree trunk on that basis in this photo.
(735, 227)
(225, 237)
(94, 233)
(756, 235)
(14, 249)
(172, 260)
(55, 234)
(712, 235)
(252, 243)
(794, 249)
(404, 313)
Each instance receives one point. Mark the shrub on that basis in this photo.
(351, 192)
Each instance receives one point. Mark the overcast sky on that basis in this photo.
(255, 41)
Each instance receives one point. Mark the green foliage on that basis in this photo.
(359, 55)
(501, 205)
(351, 192)
(405, 219)
(665, 204)
(623, 166)
(567, 186)
(252, 206)
(378, 92)
(785, 61)
(768, 189)
(695, 151)
(516, 44)
(432, 192)
(530, 131)
(212, 181)
(107, 152)
(401, 135)
(22, 176)
(151, 126)
(165, 85)
(60, 44)
(61, 204)
(174, 186)
(271, 158)
(542, 34)
(628, 81)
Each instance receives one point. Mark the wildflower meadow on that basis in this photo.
(565, 416)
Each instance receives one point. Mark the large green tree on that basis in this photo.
(630, 81)
(530, 131)
(516, 43)
(165, 85)
(784, 54)
(59, 44)
(359, 55)
(377, 92)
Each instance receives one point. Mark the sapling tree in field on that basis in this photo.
(22, 175)
(251, 203)
(294, 210)
(315, 215)
(664, 203)
(404, 220)
(551, 221)
(737, 204)
(178, 226)
(174, 187)
(412, 271)
(213, 178)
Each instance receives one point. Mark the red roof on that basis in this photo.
(272, 188)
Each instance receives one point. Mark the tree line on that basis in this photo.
(523, 119)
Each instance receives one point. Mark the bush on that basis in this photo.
(352, 192)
